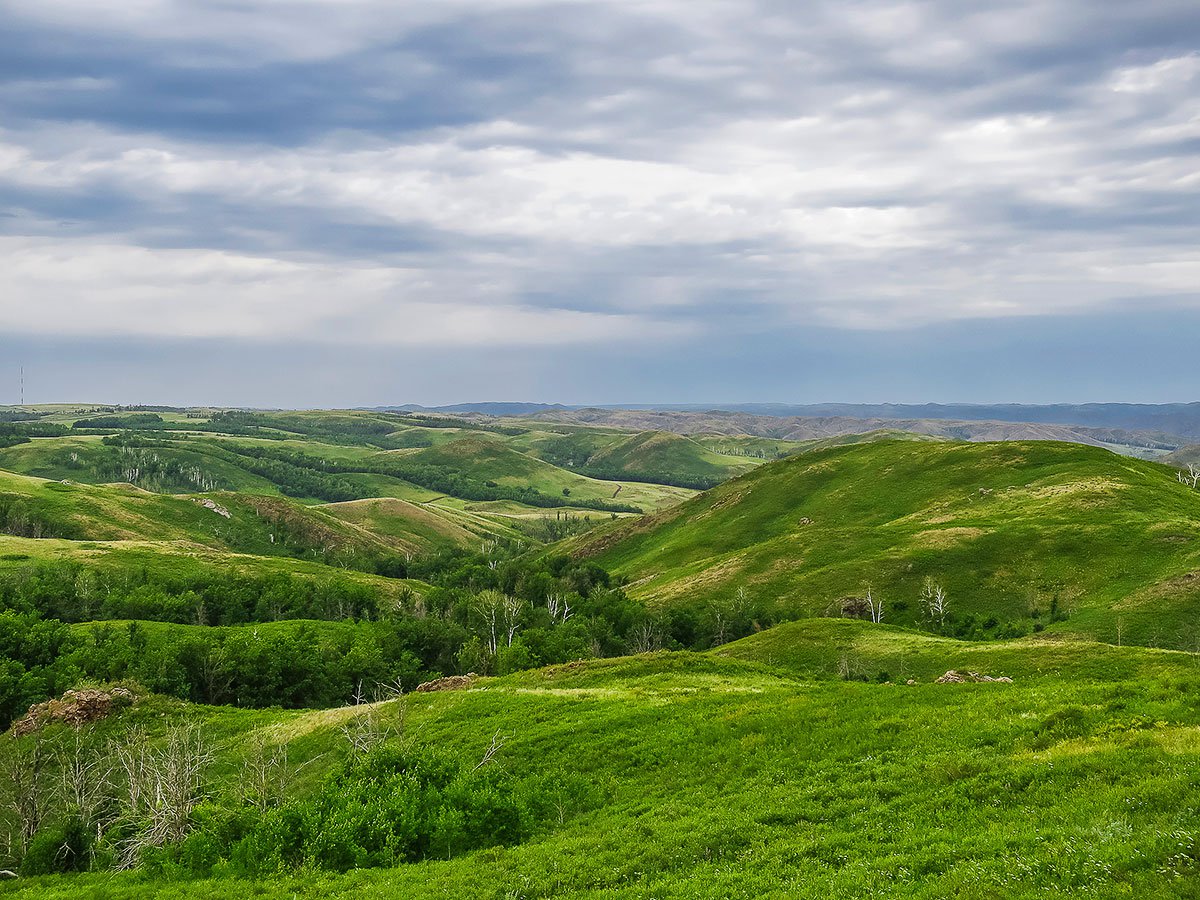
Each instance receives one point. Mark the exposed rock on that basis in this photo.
(74, 708)
(449, 683)
(213, 505)
(955, 677)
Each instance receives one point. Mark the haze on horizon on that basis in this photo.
(587, 201)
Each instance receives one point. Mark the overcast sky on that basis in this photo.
(359, 202)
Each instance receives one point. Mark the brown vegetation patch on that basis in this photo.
(449, 683)
(74, 708)
(955, 677)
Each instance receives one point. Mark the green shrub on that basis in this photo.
(62, 847)
(393, 805)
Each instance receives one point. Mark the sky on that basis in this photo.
(365, 202)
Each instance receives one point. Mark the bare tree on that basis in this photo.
(494, 747)
(266, 774)
(487, 605)
(513, 607)
(1191, 477)
(163, 784)
(559, 608)
(86, 782)
(874, 607)
(934, 601)
(25, 782)
(644, 638)
(363, 730)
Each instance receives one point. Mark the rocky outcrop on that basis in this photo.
(450, 683)
(955, 677)
(74, 708)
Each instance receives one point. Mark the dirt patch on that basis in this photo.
(74, 708)
(449, 683)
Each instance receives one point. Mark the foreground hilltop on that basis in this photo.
(748, 772)
(1019, 536)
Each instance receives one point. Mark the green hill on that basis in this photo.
(682, 776)
(1020, 536)
(485, 459)
(651, 456)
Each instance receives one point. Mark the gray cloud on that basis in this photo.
(514, 172)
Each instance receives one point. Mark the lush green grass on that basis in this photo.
(175, 561)
(1009, 529)
(702, 776)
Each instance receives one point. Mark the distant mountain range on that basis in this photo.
(1162, 426)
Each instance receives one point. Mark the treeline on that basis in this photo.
(486, 612)
(22, 516)
(19, 432)
(571, 453)
(72, 593)
(296, 472)
(134, 421)
(672, 479)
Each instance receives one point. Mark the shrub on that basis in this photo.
(63, 847)
(393, 805)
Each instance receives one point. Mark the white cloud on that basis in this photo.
(80, 288)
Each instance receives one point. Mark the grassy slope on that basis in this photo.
(486, 459)
(179, 560)
(119, 512)
(641, 453)
(716, 777)
(1004, 527)
(408, 526)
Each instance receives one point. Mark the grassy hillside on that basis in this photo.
(485, 459)
(654, 456)
(1020, 536)
(705, 776)
(247, 523)
(409, 526)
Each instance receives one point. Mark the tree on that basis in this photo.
(164, 783)
(874, 607)
(1191, 477)
(934, 602)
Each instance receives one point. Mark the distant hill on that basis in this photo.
(1067, 537)
(501, 408)
(809, 428)
(1173, 419)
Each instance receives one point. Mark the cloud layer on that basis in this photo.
(513, 173)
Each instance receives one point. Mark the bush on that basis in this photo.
(393, 805)
(63, 847)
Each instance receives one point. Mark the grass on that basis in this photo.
(716, 776)
(488, 459)
(1011, 530)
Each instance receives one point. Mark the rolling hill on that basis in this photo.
(815, 427)
(743, 773)
(1020, 535)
